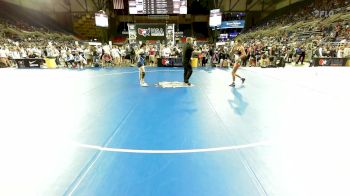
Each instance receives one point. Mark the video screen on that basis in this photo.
(215, 18)
(232, 24)
(101, 20)
(157, 6)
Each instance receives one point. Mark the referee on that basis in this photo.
(186, 60)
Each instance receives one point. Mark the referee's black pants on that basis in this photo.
(187, 72)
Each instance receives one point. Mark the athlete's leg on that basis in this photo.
(234, 70)
(142, 74)
(234, 74)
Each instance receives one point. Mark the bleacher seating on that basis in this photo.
(84, 25)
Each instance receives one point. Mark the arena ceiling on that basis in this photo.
(59, 5)
(50, 6)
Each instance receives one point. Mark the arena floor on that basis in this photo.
(97, 132)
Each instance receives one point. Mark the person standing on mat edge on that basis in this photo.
(186, 60)
(141, 64)
(239, 57)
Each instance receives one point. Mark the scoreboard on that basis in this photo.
(158, 6)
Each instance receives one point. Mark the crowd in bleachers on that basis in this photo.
(301, 34)
(20, 41)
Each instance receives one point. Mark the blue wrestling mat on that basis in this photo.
(97, 132)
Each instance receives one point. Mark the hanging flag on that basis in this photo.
(118, 4)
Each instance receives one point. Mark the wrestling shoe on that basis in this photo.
(243, 79)
(232, 85)
(144, 84)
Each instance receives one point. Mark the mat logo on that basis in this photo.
(150, 32)
(323, 62)
(143, 32)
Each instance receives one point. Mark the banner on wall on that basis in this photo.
(223, 36)
(179, 34)
(170, 34)
(330, 61)
(233, 24)
(162, 33)
(132, 33)
(150, 32)
(232, 35)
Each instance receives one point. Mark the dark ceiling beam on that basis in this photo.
(262, 7)
(270, 4)
(234, 5)
(95, 3)
(253, 4)
(104, 4)
(65, 4)
(81, 5)
(99, 4)
(86, 5)
(221, 3)
(217, 4)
